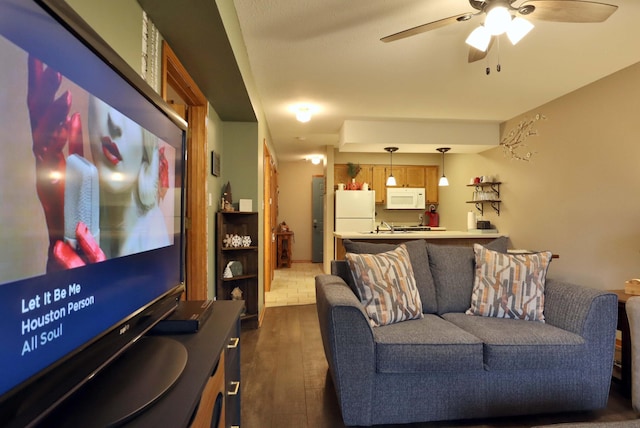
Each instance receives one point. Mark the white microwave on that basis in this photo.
(406, 198)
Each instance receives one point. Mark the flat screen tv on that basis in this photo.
(91, 212)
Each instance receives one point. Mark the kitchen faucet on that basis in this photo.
(391, 228)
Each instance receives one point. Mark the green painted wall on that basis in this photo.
(119, 23)
(239, 159)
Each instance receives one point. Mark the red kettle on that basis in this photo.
(433, 216)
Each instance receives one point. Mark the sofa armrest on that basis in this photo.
(581, 310)
(592, 314)
(348, 343)
(633, 314)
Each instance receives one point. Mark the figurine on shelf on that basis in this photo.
(283, 227)
(236, 294)
(233, 268)
(227, 199)
(227, 272)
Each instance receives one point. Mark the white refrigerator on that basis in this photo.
(355, 210)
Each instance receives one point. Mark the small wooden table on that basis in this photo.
(285, 248)
(623, 326)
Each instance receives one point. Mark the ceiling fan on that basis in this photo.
(503, 17)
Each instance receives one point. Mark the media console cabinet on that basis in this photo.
(208, 388)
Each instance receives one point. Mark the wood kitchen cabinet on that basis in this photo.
(378, 182)
(431, 184)
(414, 176)
(340, 174)
(365, 174)
(406, 176)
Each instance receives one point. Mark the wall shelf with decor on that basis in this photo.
(486, 193)
(237, 260)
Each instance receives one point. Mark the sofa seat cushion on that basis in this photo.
(425, 345)
(511, 344)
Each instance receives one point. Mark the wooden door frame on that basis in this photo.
(196, 267)
(268, 215)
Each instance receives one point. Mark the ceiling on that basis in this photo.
(328, 53)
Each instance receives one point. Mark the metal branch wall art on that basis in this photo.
(513, 144)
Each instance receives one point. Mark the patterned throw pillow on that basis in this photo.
(509, 285)
(386, 286)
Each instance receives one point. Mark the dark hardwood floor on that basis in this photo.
(286, 383)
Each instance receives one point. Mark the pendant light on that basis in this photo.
(443, 180)
(391, 180)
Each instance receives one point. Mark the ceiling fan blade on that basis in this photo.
(570, 10)
(477, 54)
(427, 27)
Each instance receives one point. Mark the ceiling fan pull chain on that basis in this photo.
(488, 69)
(498, 67)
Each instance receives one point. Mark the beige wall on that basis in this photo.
(294, 200)
(579, 196)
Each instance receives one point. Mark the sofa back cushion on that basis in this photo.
(453, 270)
(417, 250)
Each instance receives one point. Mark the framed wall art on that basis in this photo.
(215, 164)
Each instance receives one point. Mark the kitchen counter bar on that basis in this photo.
(442, 237)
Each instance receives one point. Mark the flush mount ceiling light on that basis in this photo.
(303, 114)
(391, 180)
(443, 180)
(303, 111)
(315, 159)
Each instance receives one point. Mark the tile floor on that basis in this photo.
(294, 285)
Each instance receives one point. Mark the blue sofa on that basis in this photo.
(449, 365)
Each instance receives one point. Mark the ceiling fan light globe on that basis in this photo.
(519, 28)
(479, 39)
(498, 20)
